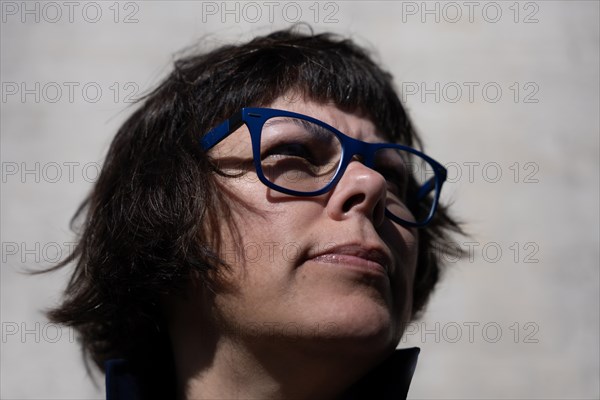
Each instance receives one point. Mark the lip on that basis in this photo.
(359, 256)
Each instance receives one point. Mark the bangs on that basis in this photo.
(322, 68)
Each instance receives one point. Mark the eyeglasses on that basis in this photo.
(301, 156)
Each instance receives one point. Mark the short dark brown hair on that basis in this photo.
(145, 229)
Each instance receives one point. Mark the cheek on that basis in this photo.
(264, 215)
(404, 244)
(263, 242)
(262, 254)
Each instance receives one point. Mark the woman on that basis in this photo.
(254, 234)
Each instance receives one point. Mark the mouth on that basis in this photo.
(364, 258)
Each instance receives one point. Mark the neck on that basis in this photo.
(265, 371)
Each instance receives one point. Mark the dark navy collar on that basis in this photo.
(389, 380)
(121, 383)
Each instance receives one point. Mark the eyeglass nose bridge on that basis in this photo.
(352, 148)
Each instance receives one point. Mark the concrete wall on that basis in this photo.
(519, 318)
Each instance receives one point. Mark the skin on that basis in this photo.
(319, 287)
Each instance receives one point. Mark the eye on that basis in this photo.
(396, 181)
(285, 150)
(393, 187)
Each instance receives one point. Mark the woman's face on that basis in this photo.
(312, 270)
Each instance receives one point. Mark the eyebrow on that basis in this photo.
(318, 131)
(281, 120)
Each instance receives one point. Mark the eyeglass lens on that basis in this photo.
(299, 155)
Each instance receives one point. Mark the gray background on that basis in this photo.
(519, 318)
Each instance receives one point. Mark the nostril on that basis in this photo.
(353, 201)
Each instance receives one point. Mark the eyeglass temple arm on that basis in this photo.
(425, 189)
(215, 135)
(428, 186)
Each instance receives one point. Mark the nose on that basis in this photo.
(361, 190)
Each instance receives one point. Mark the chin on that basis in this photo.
(357, 325)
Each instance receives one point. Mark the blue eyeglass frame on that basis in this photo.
(255, 118)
